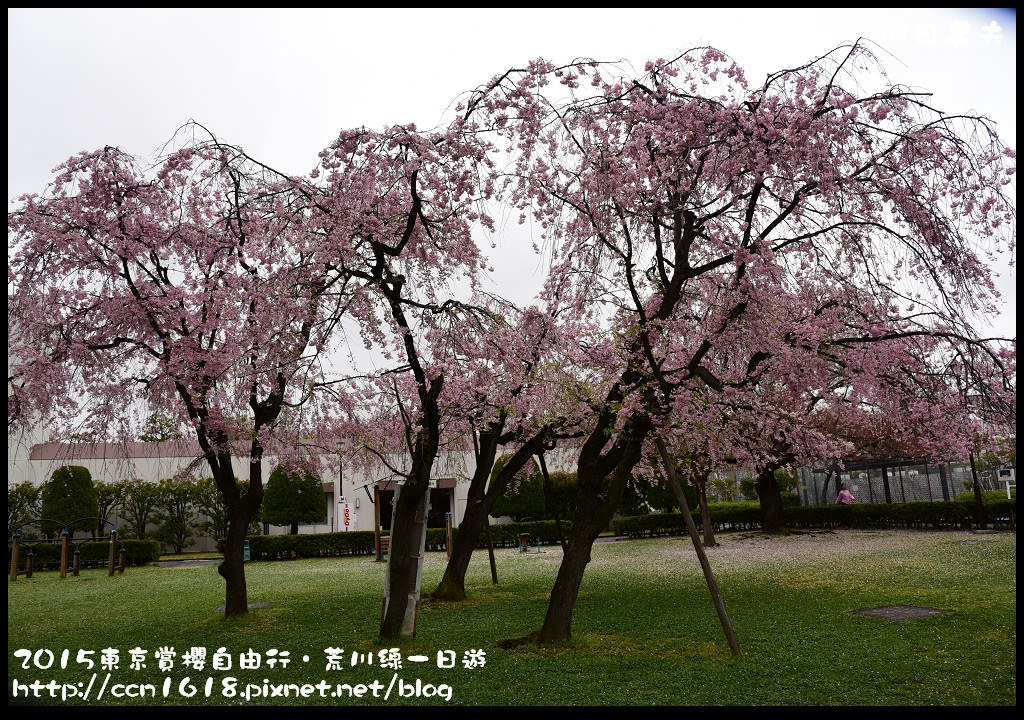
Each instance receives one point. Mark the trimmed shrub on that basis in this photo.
(69, 495)
(507, 534)
(637, 526)
(988, 497)
(293, 495)
(524, 496)
(565, 490)
(287, 547)
(360, 542)
(747, 516)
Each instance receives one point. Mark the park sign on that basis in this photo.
(346, 518)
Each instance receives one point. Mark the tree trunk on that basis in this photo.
(705, 513)
(241, 509)
(478, 507)
(403, 555)
(453, 583)
(770, 496)
(232, 568)
(558, 621)
(294, 529)
(601, 485)
(828, 476)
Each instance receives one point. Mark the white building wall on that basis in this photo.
(19, 444)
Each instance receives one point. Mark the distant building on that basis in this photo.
(343, 488)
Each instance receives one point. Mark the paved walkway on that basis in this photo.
(187, 563)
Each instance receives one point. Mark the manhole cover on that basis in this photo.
(900, 612)
(251, 606)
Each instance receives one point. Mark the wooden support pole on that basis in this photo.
(549, 493)
(121, 560)
(490, 549)
(28, 564)
(77, 564)
(64, 554)
(448, 534)
(377, 553)
(709, 576)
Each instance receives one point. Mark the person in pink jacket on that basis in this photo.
(845, 497)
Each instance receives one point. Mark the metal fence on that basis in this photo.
(893, 481)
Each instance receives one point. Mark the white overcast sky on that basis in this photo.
(282, 83)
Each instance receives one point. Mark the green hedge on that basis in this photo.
(747, 516)
(286, 547)
(988, 497)
(507, 534)
(137, 552)
(360, 542)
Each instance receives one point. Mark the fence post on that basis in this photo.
(110, 562)
(14, 556)
(121, 558)
(28, 563)
(64, 554)
(76, 565)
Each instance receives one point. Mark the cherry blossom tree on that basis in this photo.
(843, 381)
(192, 288)
(684, 201)
(398, 209)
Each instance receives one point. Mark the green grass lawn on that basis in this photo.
(644, 633)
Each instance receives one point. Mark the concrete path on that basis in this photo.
(187, 563)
